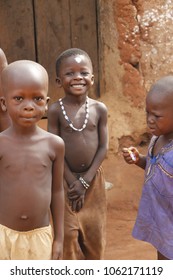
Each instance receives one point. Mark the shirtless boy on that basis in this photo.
(31, 169)
(82, 123)
(4, 118)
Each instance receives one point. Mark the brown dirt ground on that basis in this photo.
(123, 199)
(122, 204)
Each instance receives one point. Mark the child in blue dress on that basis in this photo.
(154, 222)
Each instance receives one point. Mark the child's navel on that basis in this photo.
(24, 217)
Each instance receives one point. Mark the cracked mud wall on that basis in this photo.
(136, 50)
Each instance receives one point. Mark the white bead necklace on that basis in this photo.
(69, 121)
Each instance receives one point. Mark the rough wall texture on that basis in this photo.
(136, 51)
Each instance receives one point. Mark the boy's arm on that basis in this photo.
(103, 144)
(53, 127)
(57, 202)
(4, 118)
(52, 117)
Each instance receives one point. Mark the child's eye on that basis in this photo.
(18, 98)
(69, 74)
(157, 116)
(38, 98)
(85, 73)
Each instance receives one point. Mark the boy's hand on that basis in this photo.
(76, 195)
(57, 250)
(131, 155)
(77, 204)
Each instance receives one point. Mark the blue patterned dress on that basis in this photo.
(154, 222)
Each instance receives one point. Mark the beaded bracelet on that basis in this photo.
(84, 183)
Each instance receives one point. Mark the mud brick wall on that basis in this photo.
(136, 46)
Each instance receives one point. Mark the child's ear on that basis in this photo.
(92, 79)
(3, 104)
(47, 100)
(58, 81)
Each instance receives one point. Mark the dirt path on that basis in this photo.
(123, 199)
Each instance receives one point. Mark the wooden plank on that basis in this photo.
(53, 37)
(17, 29)
(100, 49)
(84, 33)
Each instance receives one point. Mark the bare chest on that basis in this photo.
(24, 157)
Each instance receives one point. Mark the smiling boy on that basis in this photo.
(82, 123)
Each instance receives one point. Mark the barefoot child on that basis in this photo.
(82, 123)
(154, 222)
(4, 118)
(31, 169)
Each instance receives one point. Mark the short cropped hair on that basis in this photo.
(67, 53)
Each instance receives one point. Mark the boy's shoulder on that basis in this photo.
(52, 136)
(54, 104)
(55, 142)
(54, 110)
(98, 104)
(54, 107)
